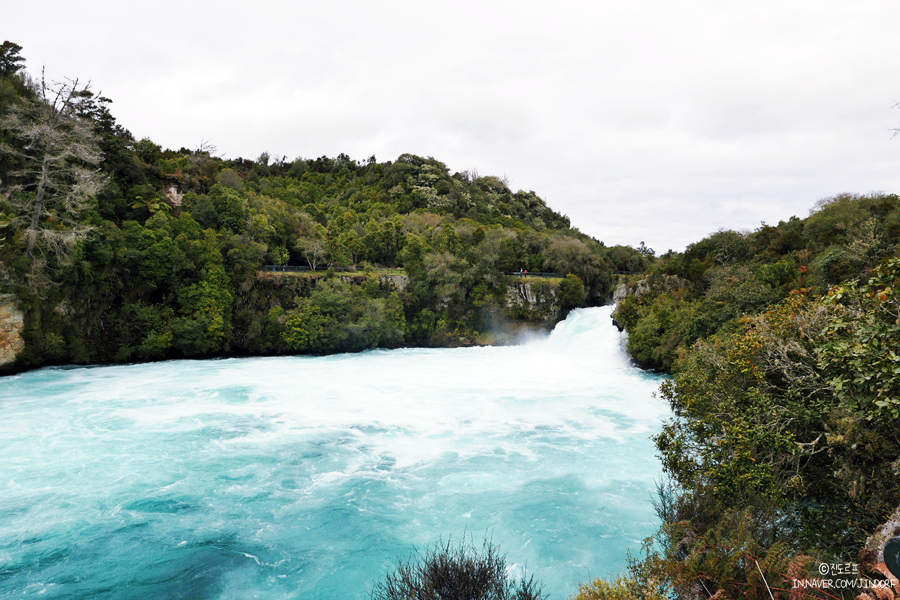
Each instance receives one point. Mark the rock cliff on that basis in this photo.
(12, 321)
(529, 304)
(533, 301)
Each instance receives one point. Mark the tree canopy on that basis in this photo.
(148, 253)
(11, 62)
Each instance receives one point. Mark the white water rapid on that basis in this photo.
(308, 477)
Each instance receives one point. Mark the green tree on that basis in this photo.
(231, 208)
(785, 435)
(11, 62)
(663, 326)
(447, 275)
(319, 323)
(308, 328)
(381, 324)
(152, 205)
(620, 588)
(204, 326)
(571, 293)
(312, 248)
(859, 348)
(311, 243)
(230, 179)
(571, 255)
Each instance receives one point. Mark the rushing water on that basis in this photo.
(292, 477)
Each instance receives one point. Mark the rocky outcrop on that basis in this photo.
(654, 284)
(533, 300)
(173, 195)
(872, 560)
(12, 322)
(395, 281)
(873, 552)
(620, 293)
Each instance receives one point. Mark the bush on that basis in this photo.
(571, 293)
(622, 588)
(461, 572)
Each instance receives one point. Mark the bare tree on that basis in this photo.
(895, 132)
(58, 154)
(207, 147)
(311, 241)
(312, 249)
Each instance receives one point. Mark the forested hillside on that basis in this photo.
(115, 249)
(784, 350)
(714, 282)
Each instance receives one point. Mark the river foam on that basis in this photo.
(308, 477)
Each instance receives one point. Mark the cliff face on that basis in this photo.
(529, 304)
(526, 299)
(397, 282)
(12, 321)
(533, 301)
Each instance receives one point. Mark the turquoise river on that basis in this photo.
(310, 477)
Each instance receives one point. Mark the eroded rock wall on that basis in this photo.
(12, 322)
(533, 300)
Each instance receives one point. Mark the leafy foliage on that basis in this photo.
(730, 274)
(621, 588)
(783, 349)
(11, 62)
(859, 350)
(784, 440)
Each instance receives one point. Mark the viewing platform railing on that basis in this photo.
(536, 274)
(300, 269)
(285, 268)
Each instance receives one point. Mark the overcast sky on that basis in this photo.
(656, 121)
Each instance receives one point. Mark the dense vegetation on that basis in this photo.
(784, 350)
(119, 250)
(714, 282)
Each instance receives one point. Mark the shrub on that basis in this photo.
(462, 572)
(622, 588)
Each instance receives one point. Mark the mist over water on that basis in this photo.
(308, 477)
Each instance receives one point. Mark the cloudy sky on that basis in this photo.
(650, 120)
